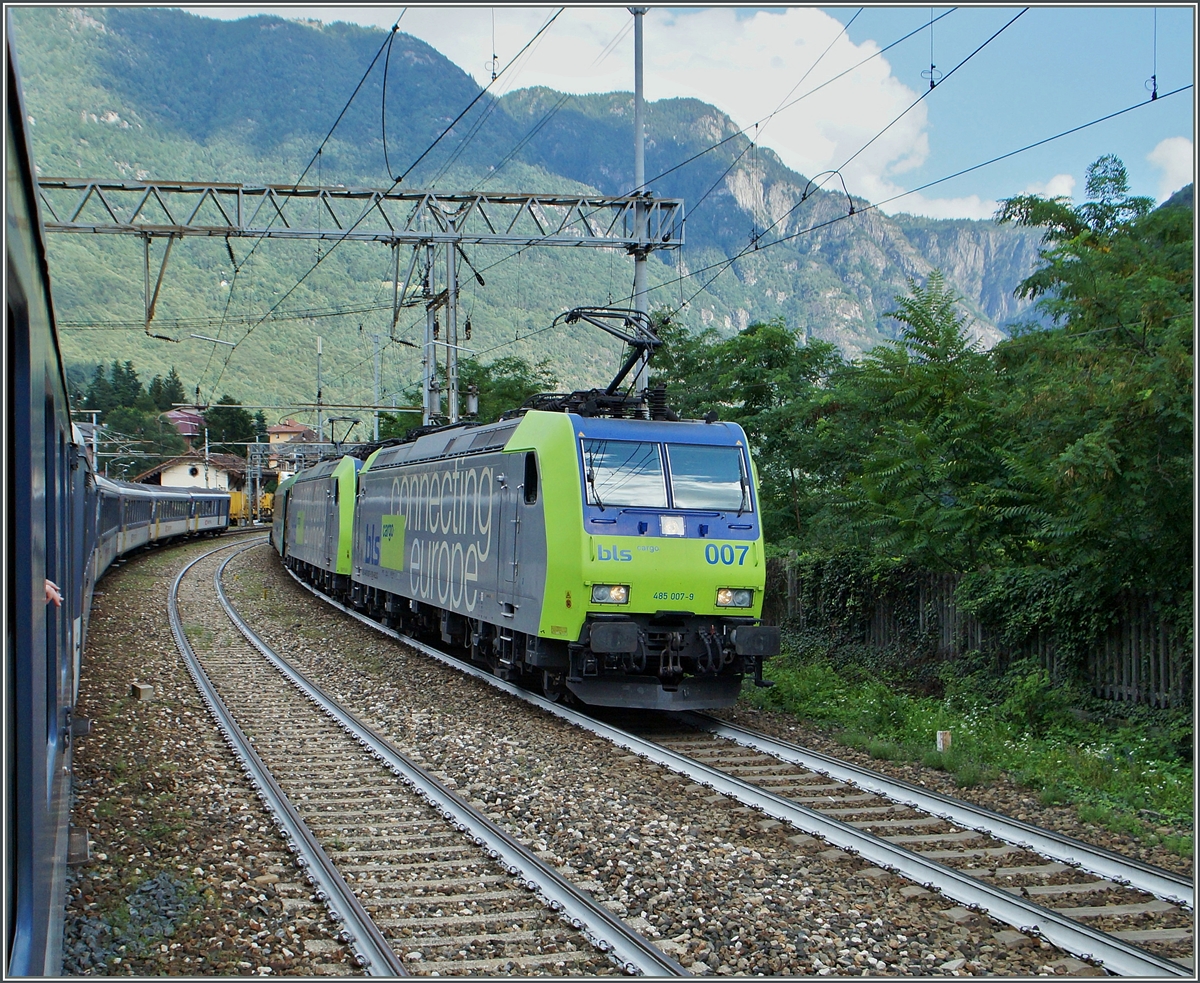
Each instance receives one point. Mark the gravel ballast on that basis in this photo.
(1000, 794)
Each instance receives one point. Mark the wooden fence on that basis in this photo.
(1139, 660)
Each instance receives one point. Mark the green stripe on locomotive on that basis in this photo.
(662, 573)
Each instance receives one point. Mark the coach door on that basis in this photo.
(332, 525)
(510, 536)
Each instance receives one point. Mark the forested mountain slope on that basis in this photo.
(142, 93)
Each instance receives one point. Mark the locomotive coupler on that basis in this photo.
(714, 656)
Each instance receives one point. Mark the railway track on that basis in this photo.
(420, 882)
(1130, 901)
(1133, 919)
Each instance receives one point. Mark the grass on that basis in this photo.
(1131, 775)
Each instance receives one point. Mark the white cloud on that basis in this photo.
(1061, 185)
(969, 206)
(1176, 159)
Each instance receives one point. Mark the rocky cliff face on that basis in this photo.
(833, 276)
(846, 270)
(984, 260)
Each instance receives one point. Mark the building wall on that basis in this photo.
(179, 476)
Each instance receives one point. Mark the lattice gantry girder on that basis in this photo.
(361, 214)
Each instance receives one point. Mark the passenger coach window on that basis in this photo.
(623, 472)
(708, 477)
(531, 478)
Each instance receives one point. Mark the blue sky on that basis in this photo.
(1054, 68)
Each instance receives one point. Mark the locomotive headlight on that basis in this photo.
(733, 597)
(610, 594)
(671, 525)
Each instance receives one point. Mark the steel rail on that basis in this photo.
(609, 934)
(371, 949)
(1096, 860)
(1078, 939)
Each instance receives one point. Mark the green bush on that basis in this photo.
(1033, 704)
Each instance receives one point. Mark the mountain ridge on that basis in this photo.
(110, 93)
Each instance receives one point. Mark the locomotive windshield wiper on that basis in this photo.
(591, 480)
(745, 503)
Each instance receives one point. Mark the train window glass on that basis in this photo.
(531, 478)
(708, 477)
(624, 472)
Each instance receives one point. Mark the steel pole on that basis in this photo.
(320, 415)
(429, 353)
(452, 329)
(377, 373)
(640, 300)
(146, 279)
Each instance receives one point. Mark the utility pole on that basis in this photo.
(432, 402)
(320, 422)
(640, 302)
(452, 328)
(375, 435)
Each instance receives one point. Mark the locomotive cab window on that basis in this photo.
(706, 476)
(531, 478)
(624, 472)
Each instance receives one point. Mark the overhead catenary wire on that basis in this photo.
(723, 264)
(756, 240)
(482, 92)
(798, 99)
(481, 120)
(754, 246)
(942, 81)
(86, 324)
(316, 156)
(783, 106)
(529, 135)
(783, 103)
(612, 45)
(342, 238)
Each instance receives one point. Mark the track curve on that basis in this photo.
(464, 904)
